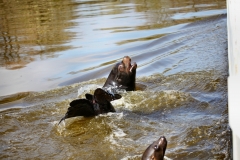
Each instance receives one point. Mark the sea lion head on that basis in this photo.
(156, 150)
(127, 66)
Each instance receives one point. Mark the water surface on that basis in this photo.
(53, 52)
(45, 44)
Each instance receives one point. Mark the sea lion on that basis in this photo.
(156, 150)
(93, 104)
(122, 75)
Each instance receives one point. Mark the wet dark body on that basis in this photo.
(123, 75)
(156, 150)
(93, 104)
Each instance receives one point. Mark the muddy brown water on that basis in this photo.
(53, 52)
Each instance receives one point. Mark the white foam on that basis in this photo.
(112, 114)
(113, 89)
(118, 102)
(87, 88)
(119, 133)
(122, 102)
(166, 158)
(54, 122)
(112, 140)
(117, 115)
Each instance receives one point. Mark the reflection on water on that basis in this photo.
(33, 29)
(53, 52)
(78, 36)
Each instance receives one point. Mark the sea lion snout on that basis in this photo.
(128, 65)
(162, 144)
(127, 62)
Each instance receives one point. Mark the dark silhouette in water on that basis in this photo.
(123, 75)
(93, 104)
(156, 150)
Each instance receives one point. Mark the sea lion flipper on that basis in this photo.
(102, 96)
(117, 96)
(79, 107)
(61, 120)
(89, 97)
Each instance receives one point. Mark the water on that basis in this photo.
(55, 51)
